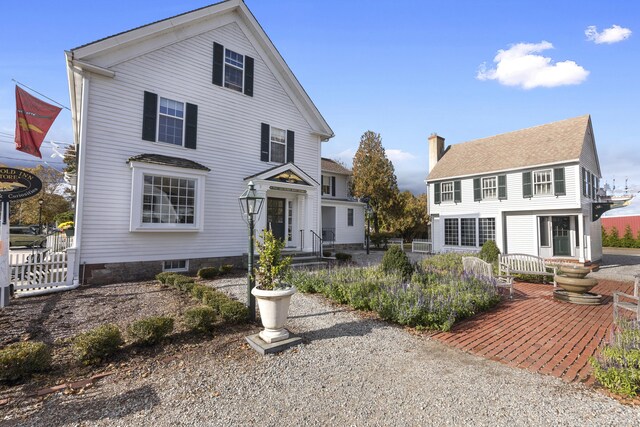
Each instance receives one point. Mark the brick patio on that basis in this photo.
(535, 332)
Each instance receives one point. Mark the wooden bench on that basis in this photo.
(627, 302)
(525, 264)
(478, 267)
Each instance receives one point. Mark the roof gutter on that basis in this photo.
(493, 172)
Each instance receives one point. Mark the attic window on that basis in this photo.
(233, 70)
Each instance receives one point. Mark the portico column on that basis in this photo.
(583, 238)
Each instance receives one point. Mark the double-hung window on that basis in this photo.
(543, 182)
(326, 184)
(447, 191)
(489, 188)
(349, 217)
(171, 121)
(233, 70)
(278, 144)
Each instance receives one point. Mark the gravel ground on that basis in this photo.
(351, 370)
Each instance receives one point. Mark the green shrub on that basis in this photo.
(618, 366)
(306, 282)
(226, 268)
(97, 344)
(208, 273)
(183, 283)
(326, 254)
(450, 262)
(198, 291)
(164, 276)
(381, 239)
(201, 318)
(151, 330)
(489, 251)
(233, 311)
(214, 299)
(395, 260)
(341, 256)
(21, 359)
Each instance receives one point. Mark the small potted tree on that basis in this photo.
(272, 294)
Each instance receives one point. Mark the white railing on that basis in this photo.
(421, 245)
(395, 241)
(38, 270)
(58, 242)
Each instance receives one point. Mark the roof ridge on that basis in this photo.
(520, 130)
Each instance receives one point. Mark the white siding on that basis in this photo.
(342, 188)
(228, 142)
(345, 234)
(522, 234)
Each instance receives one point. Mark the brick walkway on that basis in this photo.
(535, 332)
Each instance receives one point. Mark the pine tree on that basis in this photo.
(614, 237)
(374, 178)
(605, 237)
(627, 240)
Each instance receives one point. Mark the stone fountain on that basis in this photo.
(576, 286)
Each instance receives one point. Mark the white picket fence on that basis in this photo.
(421, 245)
(38, 270)
(57, 242)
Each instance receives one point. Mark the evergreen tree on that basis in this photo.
(614, 237)
(627, 240)
(637, 245)
(374, 178)
(605, 237)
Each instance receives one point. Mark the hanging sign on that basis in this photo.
(16, 184)
(597, 209)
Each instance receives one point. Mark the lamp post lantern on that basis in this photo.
(250, 205)
(40, 203)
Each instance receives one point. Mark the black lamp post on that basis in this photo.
(367, 213)
(250, 204)
(40, 203)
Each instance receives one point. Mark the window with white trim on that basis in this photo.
(490, 187)
(233, 70)
(326, 184)
(447, 191)
(171, 121)
(175, 265)
(349, 217)
(451, 231)
(467, 231)
(543, 182)
(278, 145)
(486, 230)
(164, 199)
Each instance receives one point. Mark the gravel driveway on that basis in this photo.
(352, 370)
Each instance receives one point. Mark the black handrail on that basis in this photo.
(301, 239)
(316, 239)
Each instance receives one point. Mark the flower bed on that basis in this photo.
(431, 299)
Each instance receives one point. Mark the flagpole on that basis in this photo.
(33, 90)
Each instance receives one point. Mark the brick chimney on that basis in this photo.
(436, 149)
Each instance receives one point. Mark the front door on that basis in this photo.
(561, 236)
(275, 217)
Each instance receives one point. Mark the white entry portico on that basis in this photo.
(291, 207)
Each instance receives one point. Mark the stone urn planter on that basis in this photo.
(274, 310)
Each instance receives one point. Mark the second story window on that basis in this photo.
(542, 182)
(170, 121)
(447, 191)
(489, 188)
(233, 70)
(278, 145)
(326, 184)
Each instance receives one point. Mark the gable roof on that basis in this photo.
(273, 174)
(328, 165)
(550, 143)
(182, 26)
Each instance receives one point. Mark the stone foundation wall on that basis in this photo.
(102, 274)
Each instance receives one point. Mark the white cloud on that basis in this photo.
(396, 155)
(521, 65)
(611, 35)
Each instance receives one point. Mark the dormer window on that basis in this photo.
(233, 70)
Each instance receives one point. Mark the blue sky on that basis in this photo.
(402, 69)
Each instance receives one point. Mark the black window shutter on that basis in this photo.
(436, 193)
(218, 64)
(593, 186)
(322, 183)
(457, 192)
(477, 191)
(248, 75)
(588, 184)
(191, 126)
(149, 116)
(583, 179)
(333, 186)
(264, 142)
(558, 182)
(527, 190)
(290, 145)
(502, 187)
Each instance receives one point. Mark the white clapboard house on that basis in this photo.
(342, 215)
(530, 190)
(172, 120)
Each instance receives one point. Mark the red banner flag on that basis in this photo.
(33, 120)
